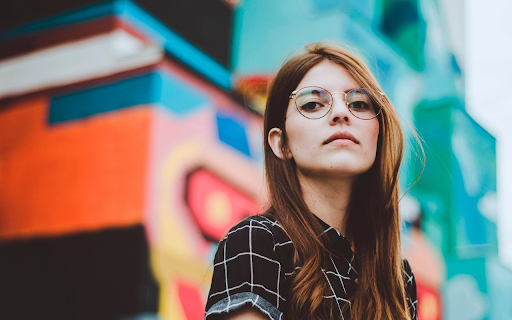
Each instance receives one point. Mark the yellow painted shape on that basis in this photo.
(218, 207)
(170, 268)
(172, 255)
(175, 165)
(169, 265)
(170, 304)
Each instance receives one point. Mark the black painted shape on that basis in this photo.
(205, 23)
(13, 13)
(96, 275)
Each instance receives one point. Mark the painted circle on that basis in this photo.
(218, 207)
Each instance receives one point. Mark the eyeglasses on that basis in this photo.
(316, 102)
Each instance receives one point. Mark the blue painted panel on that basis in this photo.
(465, 291)
(232, 132)
(178, 97)
(159, 87)
(363, 8)
(499, 284)
(122, 94)
(474, 177)
(266, 31)
(398, 15)
(326, 4)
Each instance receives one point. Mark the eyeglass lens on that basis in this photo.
(314, 103)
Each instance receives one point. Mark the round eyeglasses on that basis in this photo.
(316, 102)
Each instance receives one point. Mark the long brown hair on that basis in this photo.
(372, 225)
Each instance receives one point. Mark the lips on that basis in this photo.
(341, 135)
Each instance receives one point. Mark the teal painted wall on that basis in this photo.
(404, 44)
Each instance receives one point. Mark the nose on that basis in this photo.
(339, 110)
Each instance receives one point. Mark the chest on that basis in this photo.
(339, 272)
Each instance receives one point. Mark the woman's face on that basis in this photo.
(310, 141)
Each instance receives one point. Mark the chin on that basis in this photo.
(345, 173)
(339, 171)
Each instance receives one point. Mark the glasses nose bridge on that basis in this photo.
(342, 109)
(343, 98)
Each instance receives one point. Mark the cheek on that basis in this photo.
(373, 136)
(300, 136)
(294, 126)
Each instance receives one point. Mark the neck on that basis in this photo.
(327, 198)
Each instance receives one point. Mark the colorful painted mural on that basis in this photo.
(123, 161)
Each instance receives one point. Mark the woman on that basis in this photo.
(329, 245)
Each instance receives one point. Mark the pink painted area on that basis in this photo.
(202, 186)
(178, 147)
(191, 300)
(168, 134)
(255, 138)
(429, 303)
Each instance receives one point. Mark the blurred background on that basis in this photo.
(131, 141)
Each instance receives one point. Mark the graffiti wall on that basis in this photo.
(124, 158)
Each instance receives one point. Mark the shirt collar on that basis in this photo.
(337, 242)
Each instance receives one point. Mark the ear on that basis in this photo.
(275, 142)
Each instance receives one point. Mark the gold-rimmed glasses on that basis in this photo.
(316, 102)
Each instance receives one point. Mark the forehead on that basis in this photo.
(330, 76)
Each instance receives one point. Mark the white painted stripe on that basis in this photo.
(74, 62)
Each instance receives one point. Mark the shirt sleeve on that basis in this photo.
(410, 290)
(246, 271)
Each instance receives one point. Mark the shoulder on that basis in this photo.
(248, 270)
(261, 226)
(259, 234)
(410, 288)
(408, 274)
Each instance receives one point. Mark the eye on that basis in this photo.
(359, 106)
(359, 100)
(311, 106)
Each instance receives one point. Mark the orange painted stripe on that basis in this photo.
(79, 176)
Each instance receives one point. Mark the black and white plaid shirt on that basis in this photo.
(254, 266)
